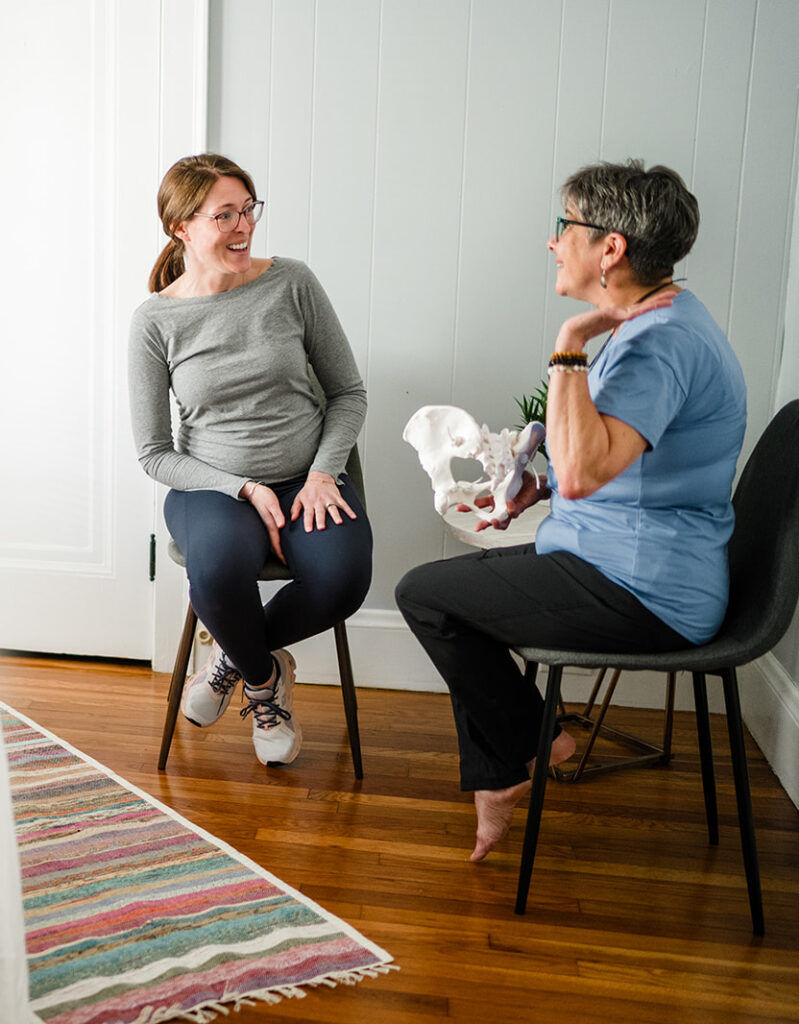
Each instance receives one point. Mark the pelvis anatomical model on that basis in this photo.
(441, 433)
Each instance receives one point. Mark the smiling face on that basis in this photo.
(209, 252)
(578, 260)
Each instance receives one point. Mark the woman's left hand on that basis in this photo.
(319, 498)
(577, 331)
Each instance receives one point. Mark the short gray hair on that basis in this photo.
(653, 209)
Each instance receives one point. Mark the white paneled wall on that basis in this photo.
(412, 150)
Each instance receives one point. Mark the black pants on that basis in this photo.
(468, 611)
(225, 545)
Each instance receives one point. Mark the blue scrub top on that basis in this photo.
(661, 528)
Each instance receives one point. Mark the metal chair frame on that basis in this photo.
(648, 753)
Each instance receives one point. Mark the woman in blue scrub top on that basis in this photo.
(643, 444)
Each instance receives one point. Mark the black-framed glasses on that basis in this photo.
(561, 223)
(228, 220)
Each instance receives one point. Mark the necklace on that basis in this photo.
(652, 292)
(658, 287)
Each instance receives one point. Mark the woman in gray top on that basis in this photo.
(269, 404)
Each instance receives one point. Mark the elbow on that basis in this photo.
(574, 486)
(572, 493)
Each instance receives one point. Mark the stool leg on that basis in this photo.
(176, 684)
(539, 785)
(348, 695)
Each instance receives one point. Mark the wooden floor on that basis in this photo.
(632, 918)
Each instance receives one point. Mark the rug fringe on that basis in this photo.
(208, 1012)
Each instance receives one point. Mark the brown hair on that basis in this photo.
(180, 195)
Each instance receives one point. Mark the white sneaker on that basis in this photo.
(207, 693)
(276, 735)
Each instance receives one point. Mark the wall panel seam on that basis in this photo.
(269, 135)
(372, 255)
(456, 320)
(555, 201)
(608, 31)
(744, 146)
(699, 90)
(779, 341)
(312, 127)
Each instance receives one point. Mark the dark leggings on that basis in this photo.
(468, 611)
(225, 545)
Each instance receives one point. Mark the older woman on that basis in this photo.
(643, 444)
(245, 345)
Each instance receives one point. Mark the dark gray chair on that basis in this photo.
(764, 587)
(272, 570)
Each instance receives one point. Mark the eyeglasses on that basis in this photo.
(561, 223)
(228, 220)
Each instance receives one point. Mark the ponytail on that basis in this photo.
(168, 267)
(181, 193)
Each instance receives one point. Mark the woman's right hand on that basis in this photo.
(264, 500)
(528, 494)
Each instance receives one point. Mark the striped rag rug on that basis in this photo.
(135, 916)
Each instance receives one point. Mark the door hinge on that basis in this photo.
(152, 557)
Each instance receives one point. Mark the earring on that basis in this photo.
(602, 280)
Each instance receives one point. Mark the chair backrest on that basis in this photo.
(764, 548)
(355, 473)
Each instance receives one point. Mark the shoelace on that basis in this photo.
(224, 678)
(266, 712)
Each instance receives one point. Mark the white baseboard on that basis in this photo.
(386, 655)
(770, 708)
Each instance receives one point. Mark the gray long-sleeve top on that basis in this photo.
(238, 364)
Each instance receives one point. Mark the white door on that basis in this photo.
(83, 150)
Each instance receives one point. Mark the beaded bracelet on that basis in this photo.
(568, 359)
(561, 368)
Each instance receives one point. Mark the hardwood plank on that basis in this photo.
(632, 916)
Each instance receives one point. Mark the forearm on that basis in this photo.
(185, 473)
(577, 438)
(586, 448)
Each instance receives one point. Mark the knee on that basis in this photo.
(336, 596)
(216, 578)
(412, 590)
(403, 590)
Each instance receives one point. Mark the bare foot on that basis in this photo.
(563, 746)
(494, 814)
(495, 806)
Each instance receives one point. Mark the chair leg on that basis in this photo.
(539, 785)
(668, 723)
(744, 798)
(592, 699)
(706, 757)
(348, 695)
(578, 771)
(176, 684)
